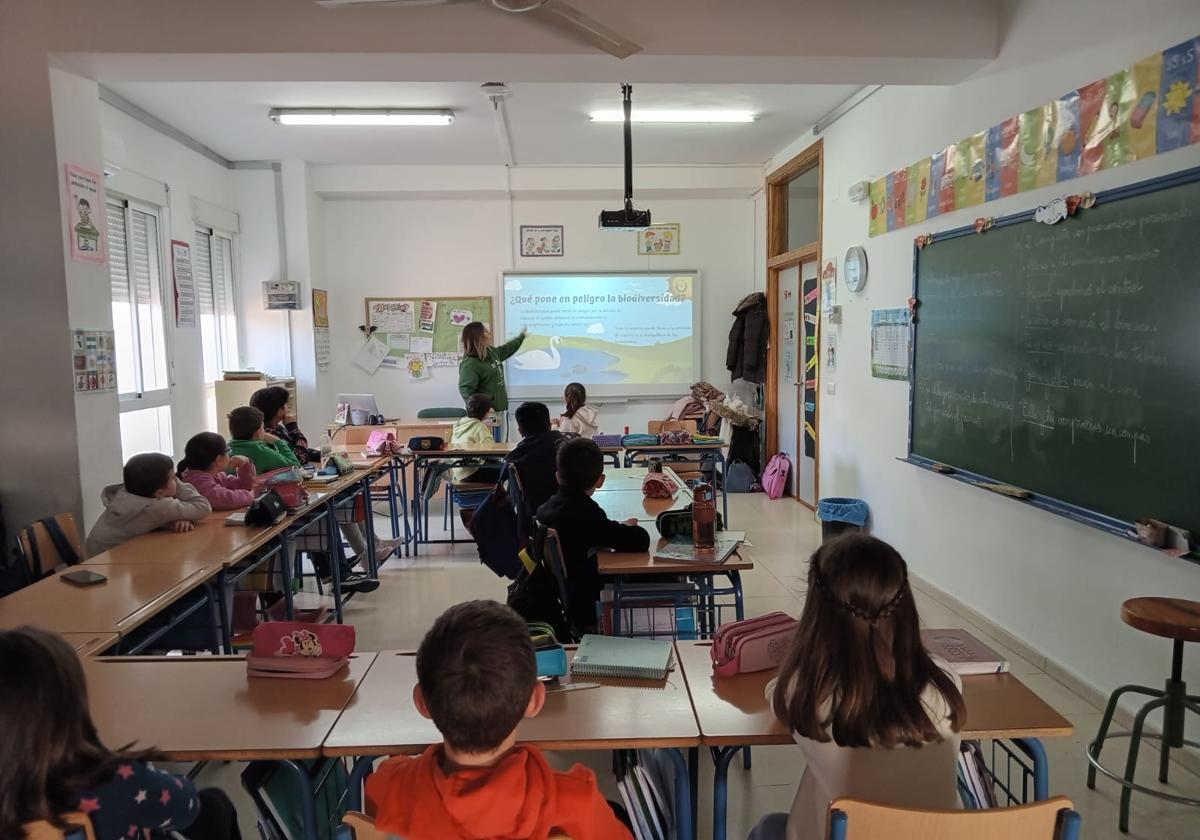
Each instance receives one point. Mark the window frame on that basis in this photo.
(200, 229)
(140, 398)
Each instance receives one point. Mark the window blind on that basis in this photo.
(118, 257)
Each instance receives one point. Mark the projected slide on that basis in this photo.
(616, 333)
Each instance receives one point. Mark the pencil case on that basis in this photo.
(606, 440)
(550, 655)
(754, 644)
(299, 650)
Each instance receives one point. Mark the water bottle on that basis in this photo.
(326, 446)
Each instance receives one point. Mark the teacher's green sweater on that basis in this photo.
(486, 376)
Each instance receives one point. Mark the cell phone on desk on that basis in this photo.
(82, 577)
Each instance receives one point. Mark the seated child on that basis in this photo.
(268, 452)
(859, 641)
(583, 525)
(272, 402)
(472, 431)
(52, 762)
(579, 418)
(477, 679)
(204, 466)
(248, 437)
(536, 454)
(150, 498)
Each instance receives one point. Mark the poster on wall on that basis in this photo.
(828, 286)
(321, 346)
(659, 240)
(810, 291)
(320, 308)
(185, 284)
(85, 214)
(392, 316)
(1146, 109)
(281, 295)
(93, 360)
(428, 318)
(890, 338)
(541, 240)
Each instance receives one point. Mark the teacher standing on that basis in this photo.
(481, 370)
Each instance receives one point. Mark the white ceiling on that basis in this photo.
(548, 121)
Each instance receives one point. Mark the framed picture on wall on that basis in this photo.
(661, 240)
(541, 240)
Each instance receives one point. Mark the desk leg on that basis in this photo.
(216, 604)
(720, 459)
(616, 607)
(369, 527)
(223, 613)
(739, 604)
(1041, 766)
(308, 801)
(336, 555)
(722, 756)
(363, 766)
(393, 512)
(684, 826)
(404, 506)
(694, 782)
(286, 569)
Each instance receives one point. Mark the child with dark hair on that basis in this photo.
(249, 437)
(578, 417)
(858, 645)
(272, 401)
(583, 525)
(477, 680)
(535, 457)
(205, 465)
(52, 761)
(150, 498)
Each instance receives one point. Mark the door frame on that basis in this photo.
(779, 258)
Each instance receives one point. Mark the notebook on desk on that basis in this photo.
(238, 517)
(682, 549)
(965, 653)
(622, 658)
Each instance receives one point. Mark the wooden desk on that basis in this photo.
(622, 504)
(702, 451)
(481, 450)
(630, 478)
(212, 541)
(206, 707)
(733, 712)
(643, 562)
(620, 714)
(86, 644)
(133, 594)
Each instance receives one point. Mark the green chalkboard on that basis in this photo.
(1064, 359)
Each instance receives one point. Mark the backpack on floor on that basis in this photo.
(739, 478)
(775, 476)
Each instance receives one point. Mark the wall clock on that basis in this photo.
(855, 269)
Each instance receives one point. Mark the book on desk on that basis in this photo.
(682, 549)
(622, 658)
(965, 653)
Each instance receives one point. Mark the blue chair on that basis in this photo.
(1050, 819)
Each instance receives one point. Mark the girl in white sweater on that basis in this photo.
(876, 716)
(579, 418)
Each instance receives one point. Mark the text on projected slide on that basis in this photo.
(618, 330)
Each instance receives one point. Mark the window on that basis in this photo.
(213, 267)
(140, 327)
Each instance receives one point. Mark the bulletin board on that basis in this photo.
(427, 328)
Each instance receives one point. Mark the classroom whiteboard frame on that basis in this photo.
(614, 391)
(1060, 507)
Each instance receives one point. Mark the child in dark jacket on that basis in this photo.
(583, 525)
(536, 456)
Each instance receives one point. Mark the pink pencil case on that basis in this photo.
(754, 644)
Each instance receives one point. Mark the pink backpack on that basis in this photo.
(774, 477)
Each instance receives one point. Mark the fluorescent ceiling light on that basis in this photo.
(641, 115)
(360, 116)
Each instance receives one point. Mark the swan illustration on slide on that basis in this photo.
(540, 359)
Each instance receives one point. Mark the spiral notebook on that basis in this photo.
(622, 658)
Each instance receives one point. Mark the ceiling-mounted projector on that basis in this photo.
(627, 218)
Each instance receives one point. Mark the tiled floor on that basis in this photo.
(414, 592)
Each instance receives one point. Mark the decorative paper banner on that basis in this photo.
(1136, 113)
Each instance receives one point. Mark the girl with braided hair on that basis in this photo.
(875, 715)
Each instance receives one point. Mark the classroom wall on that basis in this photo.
(96, 435)
(1055, 584)
(448, 246)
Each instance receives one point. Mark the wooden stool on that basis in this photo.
(1178, 620)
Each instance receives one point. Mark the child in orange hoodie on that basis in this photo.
(477, 679)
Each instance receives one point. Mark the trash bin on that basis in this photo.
(839, 515)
